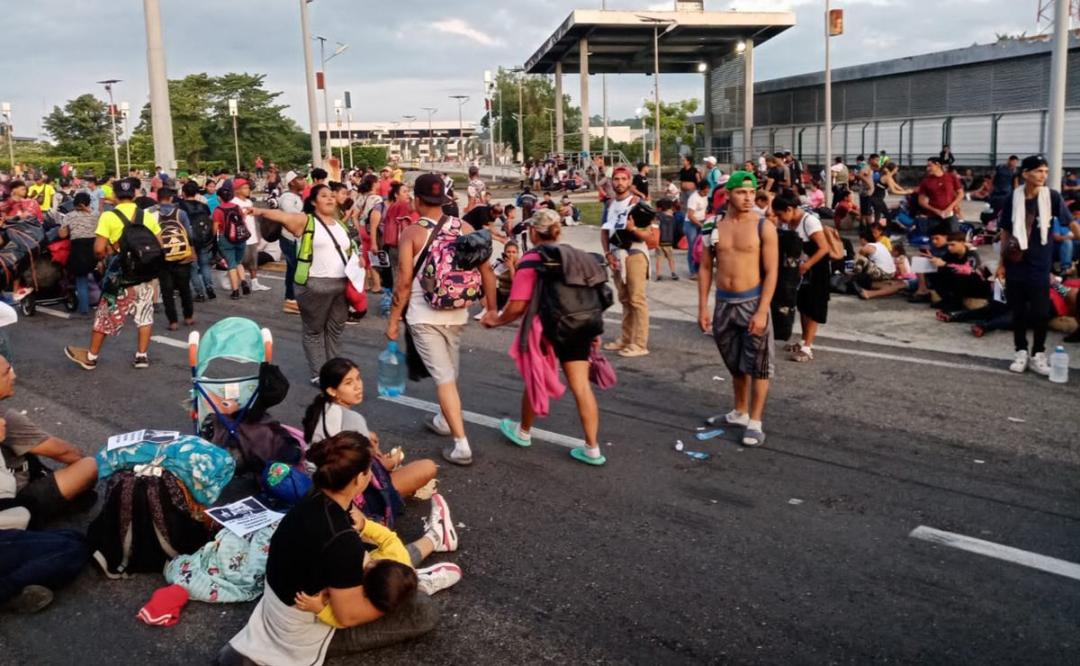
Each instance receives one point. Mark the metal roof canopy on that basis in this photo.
(621, 42)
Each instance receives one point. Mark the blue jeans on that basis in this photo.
(1067, 251)
(50, 558)
(82, 292)
(202, 280)
(288, 250)
(691, 231)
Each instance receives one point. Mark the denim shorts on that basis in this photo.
(233, 252)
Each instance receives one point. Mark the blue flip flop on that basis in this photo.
(509, 430)
(580, 455)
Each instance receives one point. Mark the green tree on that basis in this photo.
(537, 94)
(82, 127)
(674, 125)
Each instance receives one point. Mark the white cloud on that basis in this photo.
(459, 27)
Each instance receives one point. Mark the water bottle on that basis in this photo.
(385, 303)
(1059, 366)
(391, 371)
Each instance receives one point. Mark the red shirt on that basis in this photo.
(382, 188)
(22, 208)
(219, 216)
(941, 190)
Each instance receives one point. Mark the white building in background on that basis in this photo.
(408, 140)
(616, 133)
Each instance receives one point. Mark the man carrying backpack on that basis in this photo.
(232, 235)
(176, 241)
(202, 236)
(437, 300)
(624, 243)
(129, 236)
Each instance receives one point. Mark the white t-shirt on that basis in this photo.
(698, 205)
(882, 258)
(290, 202)
(809, 226)
(617, 214)
(325, 260)
(249, 220)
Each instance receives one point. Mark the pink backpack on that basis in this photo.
(445, 286)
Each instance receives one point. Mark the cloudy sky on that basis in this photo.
(410, 54)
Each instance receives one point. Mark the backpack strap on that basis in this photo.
(422, 257)
(337, 246)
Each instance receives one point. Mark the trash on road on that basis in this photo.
(703, 436)
(795, 500)
(980, 462)
(1015, 419)
(679, 445)
(717, 378)
(697, 455)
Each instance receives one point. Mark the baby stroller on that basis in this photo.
(229, 398)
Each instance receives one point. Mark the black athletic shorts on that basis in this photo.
(573, 350)
(42, 498)
(813, 298)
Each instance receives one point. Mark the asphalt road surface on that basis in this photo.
(799, 552)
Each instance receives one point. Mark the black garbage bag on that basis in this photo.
(472, 250)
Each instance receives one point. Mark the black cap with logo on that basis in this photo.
(430, 189)
(125, 188)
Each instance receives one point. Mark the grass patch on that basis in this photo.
(590, 212)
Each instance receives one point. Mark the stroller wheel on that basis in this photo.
(28, 305)
(71, 303)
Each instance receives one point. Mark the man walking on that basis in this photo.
(628, 256)
(290, 202)
(436, 334)
(1027, 252)
(176, 240)
(743, 250)
(202, 228)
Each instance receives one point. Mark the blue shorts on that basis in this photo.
(233, 252)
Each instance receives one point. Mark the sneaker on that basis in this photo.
(235, 295)
(258, 286)
(21, 293)
(674, 276)
(441, 526)
(199, 298)
(141, 361)
(355, 318)
(81, 356)
(659, 278)
(437, 578)
(618, 345)
(314, 381)
(479, 315)
(245, 288)
(1020, 363)
(210, 295)
(633, 351)
(437, 424)
(291, 307)
(33, 598)
(1039, 365)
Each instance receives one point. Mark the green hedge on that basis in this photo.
(372, 156)
(97, 168)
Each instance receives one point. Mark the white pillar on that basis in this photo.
(160, 113)
(708, 110)
(827, 185)
(559, 146)
(1059, 67)
(309, 74)
(748, 105)
(583, 47)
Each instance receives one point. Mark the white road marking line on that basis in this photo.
(486, 421)
(179, 344)
(997, 551)
(909, 359)
(264, 276)
(54, 313)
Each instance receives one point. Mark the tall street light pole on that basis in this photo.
(341, 48)
(603, 79)
(461, 100)
(431, 111)
(657, 146)
(309, 74)
(551, 121)
(160, 111)
(5, 109)
(408, 132)
(125, 111)
(348, 124)
(520, 71)
(828, 109)
(234, 112)
(112, 116)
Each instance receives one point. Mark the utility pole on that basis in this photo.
(1059, 67)
(489, 102)
(112, 116)
(828, 103)
(160, 111)
(341, 48)
(431, 111)
(125, 110)
(5, 109)
(520, 72)
(461, 100)
(233, 112)
(603, 79)
(309, 74)
(348, 123)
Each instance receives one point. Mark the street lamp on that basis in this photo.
(520, 114)
(309, 73)
(341, 48)
(431, 110)
(5, 109)
(551, 120)
(641, 113)
(125, 110)
(410, 119)
(234, 111)
(461, 100)
(671, 25)
(112, 114)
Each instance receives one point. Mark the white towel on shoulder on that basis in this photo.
(1019, 216)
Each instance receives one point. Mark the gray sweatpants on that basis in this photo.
(323, 312)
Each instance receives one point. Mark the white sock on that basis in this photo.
(592, 451)
(461, 446)
(523, 433)
(736, 415)
(753, 425)
(91, 356)
(440, 422)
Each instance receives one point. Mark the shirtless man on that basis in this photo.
(742, 247)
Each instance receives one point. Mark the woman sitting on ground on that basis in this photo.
(888, 179)
(315, 548)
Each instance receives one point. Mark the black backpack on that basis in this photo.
(570, 313)
(202, 225)
(234, 228)
(141, 256)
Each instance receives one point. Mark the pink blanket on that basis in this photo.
(539, 368)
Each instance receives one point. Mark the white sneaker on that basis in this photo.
(440, 526)
(437, 577)
(226, 283)
(257, 286)
(479, 315)
(1039, 364)
(1020, 363)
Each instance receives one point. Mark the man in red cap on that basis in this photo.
(628, 256)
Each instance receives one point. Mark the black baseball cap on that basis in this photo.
(430, 189)
(1032, 162)
(124, 188)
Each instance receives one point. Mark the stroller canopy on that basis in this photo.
(234, 338)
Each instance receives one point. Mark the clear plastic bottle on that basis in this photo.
(392, 371)
(1059, 366)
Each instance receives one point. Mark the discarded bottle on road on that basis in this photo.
(1059, 366)
(391, 371)
(385, 303)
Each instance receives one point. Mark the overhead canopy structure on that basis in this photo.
(650, 42)
(621, 42)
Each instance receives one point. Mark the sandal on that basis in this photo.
(753, 438)
(580, 455)
(792, 347)
(802, 356)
